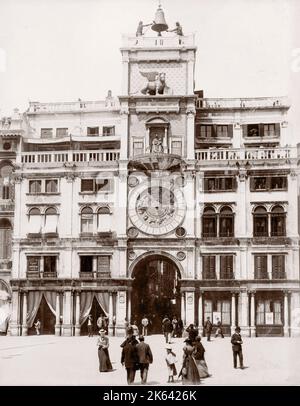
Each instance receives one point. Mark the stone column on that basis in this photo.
(94, 266)
(243, 313)
(110, 314)
(120, 312)
(200, 313)
(129, 307)
(295, 313)
(57, 318)
(14, 325)
(77, 314)
(24, 316)
(183, 317)
(42, 267)
(233, 312)
(189, 307)
(286, 314)
(67, 314)
(252, 314)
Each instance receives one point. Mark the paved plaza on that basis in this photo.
(50, 360)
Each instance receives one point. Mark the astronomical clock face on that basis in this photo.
(157, 209)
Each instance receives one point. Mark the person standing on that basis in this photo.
(174, 326)
(37, 326)
(145, 323)
(103, 355)
(189, 371)
(193, 332)
(219, 329)
(129, 356)
(171, 360)
(179, 328)
(101, 322)
(208, 328)
(198, 355)
(90, 326)
(167, 329)
(236, 341)
(114, 322)
(135, 329)
(145, 358)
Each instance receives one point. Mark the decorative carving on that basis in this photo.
(132, 232)
(133, 181)
(131, 255)
(156, 146)
(180, 232)
(17, 178)
(156, 83)
(243, 174)
(181, 255)
(70, 177)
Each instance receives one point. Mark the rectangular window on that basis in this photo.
(46, 132)
(219, 184)
(209, 267)
(106, 131)
(51, 186)
(278, 183)
(269, 130)
(206, 131)
(260, 267)
(222, 131)
(278, 267)
(176, 147)
(96, 185)
(103, 264)
(268, 312)
(266, 183)
(92, 131)
(223, 307)
(226, 267)
(61, 132)
(208, 309)
(252, 130)
(6, 192)
(138, 148)
(50, 265)
(86, 264)
(35, 186)
(33, 265)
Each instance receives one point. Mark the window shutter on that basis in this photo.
(212, 267)
(245, 130)
(261, 130)
(103, 264)
(214, 131)
(205, 184)
(277, 130)
(230, 130)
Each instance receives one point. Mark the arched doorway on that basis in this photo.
(4, 307)
(96, 311)
(46, 317)
(155, 291)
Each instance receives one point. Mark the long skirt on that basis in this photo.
(191, 376)
(202, 368)
(104, 361)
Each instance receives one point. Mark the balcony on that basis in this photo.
(251, 154)
(242, 103)
(77, 106)
(41, 275)
(38, 159)
(173, 41)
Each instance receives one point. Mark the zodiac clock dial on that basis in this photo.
(157, 209)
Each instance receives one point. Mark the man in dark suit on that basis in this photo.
(129, 356)
(208, 328)
(145, 358)
(236, 341)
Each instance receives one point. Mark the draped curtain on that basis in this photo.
(86, 301)
(50, 298)
(103, 300)
(34, 301)
(260, 315)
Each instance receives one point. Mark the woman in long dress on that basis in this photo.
(189, 371)
(198, 355)
(103, 355)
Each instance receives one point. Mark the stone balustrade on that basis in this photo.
(250, 154)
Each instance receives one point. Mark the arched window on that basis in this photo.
(6, 189)
(104, 219)
(278, 222)
(226, 222)
(209, 222)
(5, 239)
(260, 222)
(87, 220)
(34, 221)
(50, 220)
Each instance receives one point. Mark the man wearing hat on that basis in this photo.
(129, 357)
(236, 341)
(145, 358)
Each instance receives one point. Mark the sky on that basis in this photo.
(62, 50)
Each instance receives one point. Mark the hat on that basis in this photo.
(187, 340)
(168, 347)
(102, 330)
(238, 329)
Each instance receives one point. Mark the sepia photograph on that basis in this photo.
(149, 194)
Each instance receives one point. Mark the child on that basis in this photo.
(170, 360)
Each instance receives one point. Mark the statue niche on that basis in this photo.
(156, 83)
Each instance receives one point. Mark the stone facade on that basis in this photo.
(158, 201)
